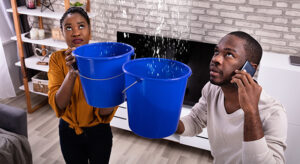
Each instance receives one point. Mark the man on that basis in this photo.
(244, 124)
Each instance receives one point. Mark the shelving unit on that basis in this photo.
(30, 85)
(47, 42)
(45, 14)
(31, 62)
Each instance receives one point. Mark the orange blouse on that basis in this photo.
(78, 113)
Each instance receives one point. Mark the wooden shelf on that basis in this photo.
(30, 85)
(46, 42)
(57, 14)
(31, 63)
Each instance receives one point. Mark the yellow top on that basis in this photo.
(78, 113)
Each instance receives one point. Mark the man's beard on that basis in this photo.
(224, 81)
(221, 83)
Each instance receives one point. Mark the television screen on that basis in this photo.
(196, 55)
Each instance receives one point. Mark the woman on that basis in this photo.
(84, 131)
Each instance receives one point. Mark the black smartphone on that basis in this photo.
(248, 68)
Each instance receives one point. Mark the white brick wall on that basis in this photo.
(275, 23)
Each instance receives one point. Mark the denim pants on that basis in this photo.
(92, 146)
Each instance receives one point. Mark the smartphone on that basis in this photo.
(248, 68)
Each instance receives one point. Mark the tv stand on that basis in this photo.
(120, 120)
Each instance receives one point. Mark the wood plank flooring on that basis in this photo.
(128, 148)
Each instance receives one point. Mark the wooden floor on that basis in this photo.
(128, 148)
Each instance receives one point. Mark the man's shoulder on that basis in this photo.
(269, 103)
(211, 88)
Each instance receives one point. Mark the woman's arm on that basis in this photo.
(64, 93)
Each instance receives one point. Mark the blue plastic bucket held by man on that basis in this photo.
(155, 90)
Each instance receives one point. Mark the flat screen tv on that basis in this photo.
(196, 55)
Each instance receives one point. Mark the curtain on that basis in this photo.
(9, 73)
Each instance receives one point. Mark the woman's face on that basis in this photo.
(76, 30)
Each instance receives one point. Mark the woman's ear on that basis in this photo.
(90, 35)
(62, 32)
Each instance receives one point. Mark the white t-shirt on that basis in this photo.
(225, 131)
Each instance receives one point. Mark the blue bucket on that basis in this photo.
(155, 90)
(100, 70)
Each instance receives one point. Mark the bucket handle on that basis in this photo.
(102, 79)
(131, 85)
(134, 54)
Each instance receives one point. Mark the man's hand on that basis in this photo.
(249, 91)
(249, 94)
(180, 127)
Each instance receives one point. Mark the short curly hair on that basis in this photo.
(252, 47)
(73, 10)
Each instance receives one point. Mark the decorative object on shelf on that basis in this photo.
(295, 60)
(46, 4)
(78, 3)
(41, 33)
(37, 34)
(56, 34)
(39, 54)
(34, 33)
(40, 82)
(31, 4)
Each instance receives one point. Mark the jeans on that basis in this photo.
(92, 146)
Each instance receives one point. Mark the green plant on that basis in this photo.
(76, 4)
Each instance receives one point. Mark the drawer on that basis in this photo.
(197, 142)
(121, 112)
(120, 123)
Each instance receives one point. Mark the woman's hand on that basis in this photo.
(70, 60)
(106, 111)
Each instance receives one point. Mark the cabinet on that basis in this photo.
(31, 62)
(281, 80)
(200, 141)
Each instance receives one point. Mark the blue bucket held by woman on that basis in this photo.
(100, 70)
(155, 90)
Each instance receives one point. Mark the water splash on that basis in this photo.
(179, 29)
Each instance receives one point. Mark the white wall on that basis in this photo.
(274, 23)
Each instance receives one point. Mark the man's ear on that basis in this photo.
(254, 65)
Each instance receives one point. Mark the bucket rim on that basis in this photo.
(148, 78)
(131, 52)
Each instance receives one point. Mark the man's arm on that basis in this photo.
(193, 123)
(249, 94)
(263, 143)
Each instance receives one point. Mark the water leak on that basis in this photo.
(163, 69)
(163, 23)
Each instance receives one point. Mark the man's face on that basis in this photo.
(76, 30)
(229, 55)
